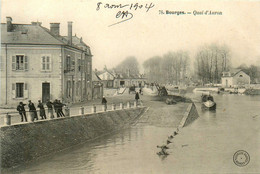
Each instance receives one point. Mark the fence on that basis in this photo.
(14, 117)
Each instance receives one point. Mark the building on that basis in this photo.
(97, 91)
(235, 78)
(128, 80)
(39, 64)
(107, 78)
(114, 79)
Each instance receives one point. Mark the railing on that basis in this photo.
(14, 116)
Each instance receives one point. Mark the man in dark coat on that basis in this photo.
(55, 105)
(59, 108)
(49, 105)
(42, 111)
(104, 102)
(32, 110)
(137, 97)
(21, 110)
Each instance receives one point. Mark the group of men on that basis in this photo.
(57, 105)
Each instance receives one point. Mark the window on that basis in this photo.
(46, 63)
(68, 88)
(240, 75)
(89, 68)
(19, 62)
(79, 64)
(78, 88)
(68, 62)
(19, 90)
(72, 64)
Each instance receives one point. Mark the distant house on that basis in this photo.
(235, 78)
(128, 79)
(113, 79)
(107, 78)
(97, 90)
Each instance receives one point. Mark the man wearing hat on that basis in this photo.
(49, 105)
(32, 110)
(21, 110)
(104, 102)
(42, 111)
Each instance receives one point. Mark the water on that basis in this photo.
(206, 146)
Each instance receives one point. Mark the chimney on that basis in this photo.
(36, 23)
(55, 28)
(9, 24)
(70, 32)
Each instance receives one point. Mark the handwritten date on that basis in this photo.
(126, 10)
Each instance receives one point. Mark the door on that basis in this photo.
(45, 92)
(122, 83)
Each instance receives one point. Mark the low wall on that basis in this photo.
(190, 115)
(25, 142)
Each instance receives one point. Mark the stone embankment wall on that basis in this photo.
(190, 115)
(252, 92)
(26, 142)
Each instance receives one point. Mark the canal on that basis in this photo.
(206, 146)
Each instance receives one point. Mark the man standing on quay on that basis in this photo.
(49, 105)
(137, 97)
(32, 111)
(21, 110)
(42, 111)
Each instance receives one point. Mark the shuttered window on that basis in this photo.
(19, 62)
(46, 63)
(79, 65)
(19, 90)
(68, 63)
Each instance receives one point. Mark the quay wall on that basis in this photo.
(190, 115)
(28, 141)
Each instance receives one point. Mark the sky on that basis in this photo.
(148, 33)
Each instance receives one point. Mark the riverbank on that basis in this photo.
(26, 142)
(252, 92)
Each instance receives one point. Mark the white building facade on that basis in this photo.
(39, 64)
(235, 78)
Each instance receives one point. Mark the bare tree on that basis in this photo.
(171, 68)
(130, 63)
(211, 61)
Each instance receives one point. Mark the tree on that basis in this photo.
(253, 71)
(130, 63)
(171, 68)
(211, 61)
(152, 68)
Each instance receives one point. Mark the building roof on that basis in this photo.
(233, 72)
(95, 77)
(121, 75)
(35, 34)
(28, 34)
(77, 41)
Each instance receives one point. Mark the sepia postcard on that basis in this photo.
(130, 87)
